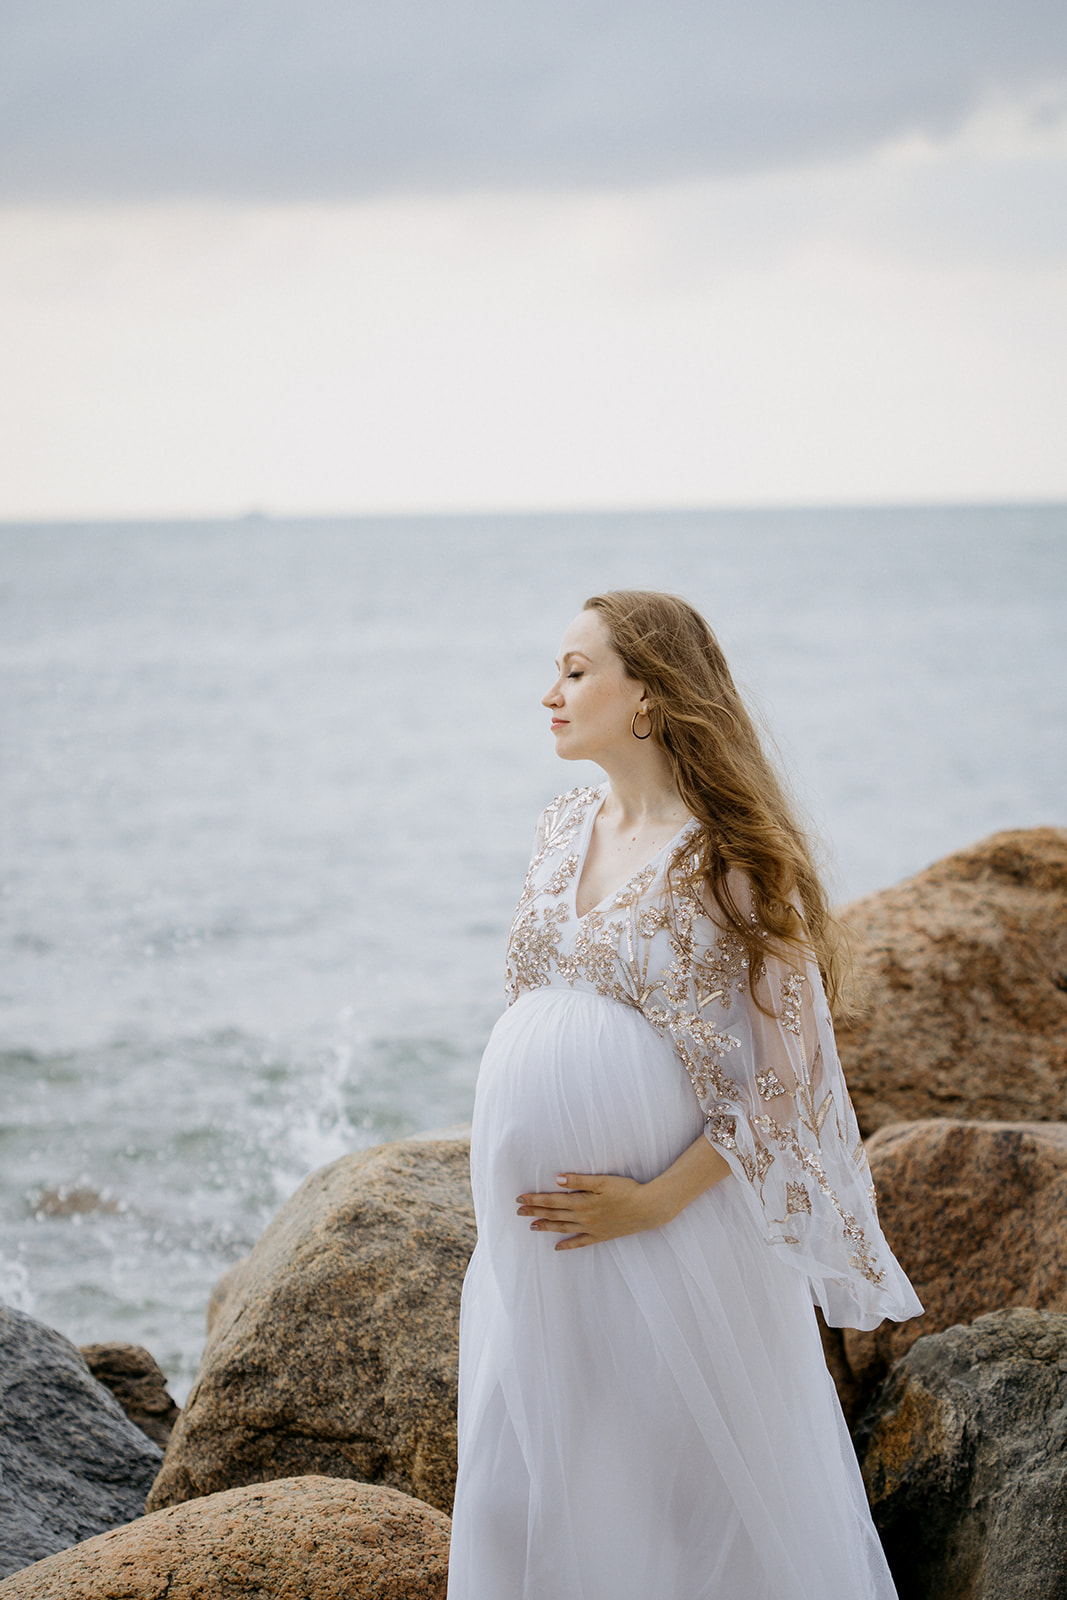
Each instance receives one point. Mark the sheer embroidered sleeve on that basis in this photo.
(777, 1108)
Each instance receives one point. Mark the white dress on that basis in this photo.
(651, 1418)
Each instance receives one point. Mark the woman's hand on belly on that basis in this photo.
(593, 1207)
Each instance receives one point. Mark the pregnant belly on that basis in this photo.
(572, 1082)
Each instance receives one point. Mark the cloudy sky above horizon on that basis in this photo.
(388, 255)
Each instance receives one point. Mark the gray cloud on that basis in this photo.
(286, 98)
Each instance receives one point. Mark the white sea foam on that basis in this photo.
(15, 1285)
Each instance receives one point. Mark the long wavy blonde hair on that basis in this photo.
(727, 783)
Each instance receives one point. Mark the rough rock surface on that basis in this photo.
(965, 1461)
(966, 971)
(334, 1345)
(138, 1385)
(306, 1538)
(71, 1461)
(976, 1213)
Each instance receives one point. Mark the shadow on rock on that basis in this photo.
(138, 1384)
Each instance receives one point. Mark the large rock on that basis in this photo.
(966, 971)
(334, 1345)
(71, 1461)
(295, 1539)
(965, 1461)
(976, 1212)
(136, 1381)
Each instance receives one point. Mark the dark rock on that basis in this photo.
(334, 1346)
(966, 968)
(71, 1462)
(137, 1384)
(303, 1538)
(965, 1461)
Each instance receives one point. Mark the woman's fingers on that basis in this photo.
(588, 1208)
(572, 1184)
(567, 1218)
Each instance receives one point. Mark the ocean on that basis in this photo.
(268, 793)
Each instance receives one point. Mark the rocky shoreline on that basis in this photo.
(315, 1455)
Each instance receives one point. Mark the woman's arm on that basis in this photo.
(592, 1208)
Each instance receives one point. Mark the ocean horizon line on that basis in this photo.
(255, 514)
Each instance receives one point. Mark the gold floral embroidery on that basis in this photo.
(722, 1129)
(720, 975)
(634, 888)
(657, 950)
(770, 1084)
(652, 921)
(595, 958)
(557, 826)
(561, 820)
(533, 944)
(792, 993)
(562, 876)
(812, 1113)
(861, 1258)
(702, 1066)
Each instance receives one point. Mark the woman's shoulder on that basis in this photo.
(575, 802)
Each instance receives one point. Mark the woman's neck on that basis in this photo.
(643, 791)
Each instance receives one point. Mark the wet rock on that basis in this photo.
(138, 1385)
(73, 1200)
(334, 1345)
(976, 1212)
(71, 1462)
(965, 1461)
(966, 971)
(306, 1538)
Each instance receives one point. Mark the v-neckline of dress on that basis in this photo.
(583, 852)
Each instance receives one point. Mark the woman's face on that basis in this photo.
(592, 700)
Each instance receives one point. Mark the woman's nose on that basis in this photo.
(552, 697)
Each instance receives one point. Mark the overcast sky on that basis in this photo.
(387, 254)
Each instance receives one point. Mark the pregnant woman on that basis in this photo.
(667, 1171)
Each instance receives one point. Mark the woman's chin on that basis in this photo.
(568, 752)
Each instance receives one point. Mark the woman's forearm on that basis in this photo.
(590, 1208)
(696, 1170)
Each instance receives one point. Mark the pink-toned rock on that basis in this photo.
(976, 1212)
(334, 1346)
(306, 1538)
(965, 968)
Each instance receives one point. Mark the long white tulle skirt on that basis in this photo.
(648, 1419)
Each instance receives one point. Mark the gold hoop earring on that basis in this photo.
(633, 725)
